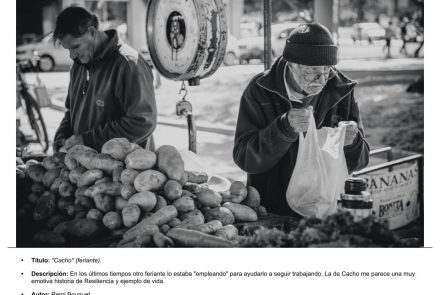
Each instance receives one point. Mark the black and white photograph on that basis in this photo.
(219, 124)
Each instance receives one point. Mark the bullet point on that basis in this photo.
(21, 273)
(22, 260)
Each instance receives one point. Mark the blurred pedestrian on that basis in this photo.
(110, 92)
(404, 35)
(275, 108)
(389, 34)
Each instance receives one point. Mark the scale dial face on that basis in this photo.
(186, 39)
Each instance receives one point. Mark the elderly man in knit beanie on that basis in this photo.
(275, 108)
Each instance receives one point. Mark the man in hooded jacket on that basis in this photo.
(275, 107)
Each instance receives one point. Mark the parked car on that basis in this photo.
(50, 55)
(367, 31)
(253, 47)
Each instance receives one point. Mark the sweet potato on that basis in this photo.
(70, 162)
(253, 198)
(191, 221)
(85, 202)
(89, 177)
(184, 204)
(85, 228)
(172, 189)
(174, 222)
(95, 214)
(149, 180)
(195, 188)
(103, 202)
(66, 189)
(145, 200)
(161, 202)
(36, 172)
(220, 213)
(192, 238)
(209, 227)
(105, 163)
(241, 212)
(143, 228)
(64, 174)
(104, 179)
(227, 232)
(76, 173)
(162, 216)
(128, 176)
(209, 198)
(118, 148)
(112, 220)
(130, 215)
(164, 228)
(116, 174)
(50, 176)
(108, 188)
(45, 206)
(197, 177)
(162, 241)
(49, 163)
(127, 191)
(170, 162)
(184, 215)
(65, 202)
(141, 159)
(49, 238)
(120, 203)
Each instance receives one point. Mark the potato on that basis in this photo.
(64, 174)
(85, 202)
(220, 213)
(75, 208)
(261, 211)
(32, 162)
(83, 155)
(49, 163)
(195, 188)
(197, 177)
(65, 202)
(164, 228)
(127, 191)
(191, 221)
(36, 172)
(50, 238)
(172, 189)
(95, 214)
(149, 180)
(237, 193)
(38, 188)
(80, 215)
(18, 161)
(175, 222)
(116, 174)
(118, 148)
(85, 228)
(120, 203)
(103, 202)
(209, 198)
(104, 179)
(33, 198)
(130, 215)
(45, 206)
(145, 200)
(184, 204)
(108, 188)
(63, 227)
(66, 189)
(50, 176)
(58, 158)
(184, 178)
(253, 198)
(161, 202)
(70, 162)
(128, 176)
(227, 232)
(170, 162)
(56, 185)
(89, 177)
(209, 227)
(241, 212)
(106, 163)
(81, 191)
(56, 219)
(76, 173)
(184, 215)
(112, 220)
(141, 159)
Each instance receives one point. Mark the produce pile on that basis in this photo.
(145, 197)
(337, 230)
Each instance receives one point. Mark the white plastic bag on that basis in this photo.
(320, 171)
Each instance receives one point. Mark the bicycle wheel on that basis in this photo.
(36, 120)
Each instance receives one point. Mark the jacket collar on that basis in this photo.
(112, 45)
(334, 91)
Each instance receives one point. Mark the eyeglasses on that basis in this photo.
(311, 73)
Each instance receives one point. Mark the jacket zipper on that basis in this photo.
(86, 83)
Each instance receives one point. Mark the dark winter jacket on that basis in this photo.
(266, 146)
(117, 100)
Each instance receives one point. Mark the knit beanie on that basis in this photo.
(311, 45)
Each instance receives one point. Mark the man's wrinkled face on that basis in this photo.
(310, 79)
(81, 48)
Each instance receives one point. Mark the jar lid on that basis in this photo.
(355, 185)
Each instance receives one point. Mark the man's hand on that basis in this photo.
(299, 119)
(350, 132)
(57, 145)
(73, 140)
